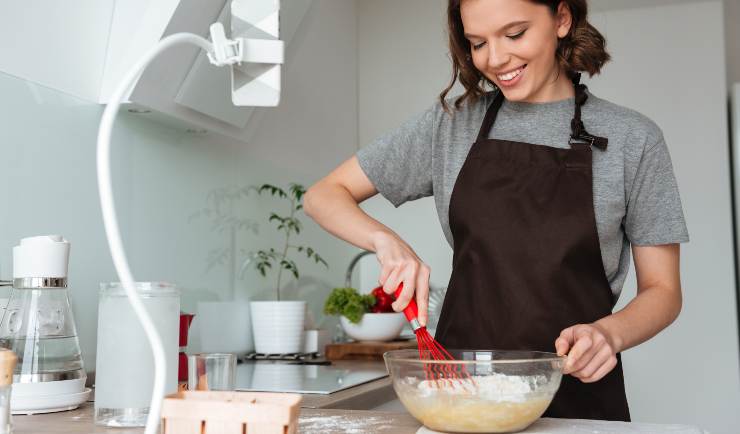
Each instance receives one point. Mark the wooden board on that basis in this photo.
(366, 350)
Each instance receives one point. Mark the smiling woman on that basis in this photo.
(493, 42)
(543, 191)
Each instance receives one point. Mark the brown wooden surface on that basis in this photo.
(365, 350)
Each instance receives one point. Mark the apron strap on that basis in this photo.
(578, 136)
(490, 117)
(578, 133)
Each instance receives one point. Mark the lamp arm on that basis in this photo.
(112, 231)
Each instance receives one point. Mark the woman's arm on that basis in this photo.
(591, 348)
(333, 203)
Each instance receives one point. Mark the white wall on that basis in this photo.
(162, 175)
(694, 121)
(689, 373)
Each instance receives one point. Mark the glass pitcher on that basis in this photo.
(38, 326)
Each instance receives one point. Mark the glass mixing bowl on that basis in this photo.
(481, 391)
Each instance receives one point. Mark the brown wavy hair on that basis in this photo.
(583, 49)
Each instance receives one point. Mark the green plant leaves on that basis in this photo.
(348, 302)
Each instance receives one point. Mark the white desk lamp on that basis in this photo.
(255, 83)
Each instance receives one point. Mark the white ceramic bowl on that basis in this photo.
(375, 326)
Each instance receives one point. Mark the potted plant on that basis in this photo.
(278, 325)
(225, 325)
(367, 317)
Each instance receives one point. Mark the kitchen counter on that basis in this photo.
(345, 411)
(312, 421)
(333, 421)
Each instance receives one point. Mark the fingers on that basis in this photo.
(602, 370)
(590, 356)
(409, 286)
(392, 281)
(422, 293)
(399, 264)
(601, 358)
(564, 341)
(577, 353)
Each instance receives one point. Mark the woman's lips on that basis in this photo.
(511, 78)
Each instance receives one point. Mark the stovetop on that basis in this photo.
(301, 373)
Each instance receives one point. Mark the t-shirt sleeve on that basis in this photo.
(654, 212)
(399, 163)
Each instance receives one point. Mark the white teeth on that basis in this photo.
(510, 76)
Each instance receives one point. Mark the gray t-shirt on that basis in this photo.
(636, 197)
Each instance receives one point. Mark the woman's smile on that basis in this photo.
(510, 78)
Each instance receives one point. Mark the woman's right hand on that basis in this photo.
(400, 264)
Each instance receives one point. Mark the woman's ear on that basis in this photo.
(563, 20)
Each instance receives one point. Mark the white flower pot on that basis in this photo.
(224, 327)
(375, 326)
(278, 326)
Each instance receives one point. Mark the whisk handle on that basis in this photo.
(411, 311)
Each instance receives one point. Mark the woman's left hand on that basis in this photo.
(591, 351)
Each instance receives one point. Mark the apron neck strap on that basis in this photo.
(490, 117)
(578, 133)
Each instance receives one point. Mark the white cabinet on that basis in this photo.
(85, 48)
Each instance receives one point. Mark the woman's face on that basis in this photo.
(513, 43)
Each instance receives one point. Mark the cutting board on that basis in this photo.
(366, 350)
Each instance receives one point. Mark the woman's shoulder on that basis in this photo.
(470, 111)
(616, 121)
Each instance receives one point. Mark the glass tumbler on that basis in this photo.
(211, 371)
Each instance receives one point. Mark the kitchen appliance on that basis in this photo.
(39, 328)
(303, 376)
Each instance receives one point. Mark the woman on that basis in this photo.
(541, 188)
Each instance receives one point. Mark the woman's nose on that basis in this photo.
(497, 57)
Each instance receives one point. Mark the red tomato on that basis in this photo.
(383, 301)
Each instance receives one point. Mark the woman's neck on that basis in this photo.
(558, 88)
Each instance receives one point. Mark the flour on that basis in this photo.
(494, 387)
(341, 424)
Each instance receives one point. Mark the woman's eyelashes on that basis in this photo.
(515, 36)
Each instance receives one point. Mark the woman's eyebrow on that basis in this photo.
(501, 30)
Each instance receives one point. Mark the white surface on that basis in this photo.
(316, 340)
(160, 88)
(582, 426)
(402, 69)
(57, 44)
(224, 327)
(285, 377)
(48, 388)
(278, 326)
(42, 256)
(379, 327)
(48, 403)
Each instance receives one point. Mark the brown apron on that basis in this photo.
(527, 262)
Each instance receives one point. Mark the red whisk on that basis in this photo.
(430, 349)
